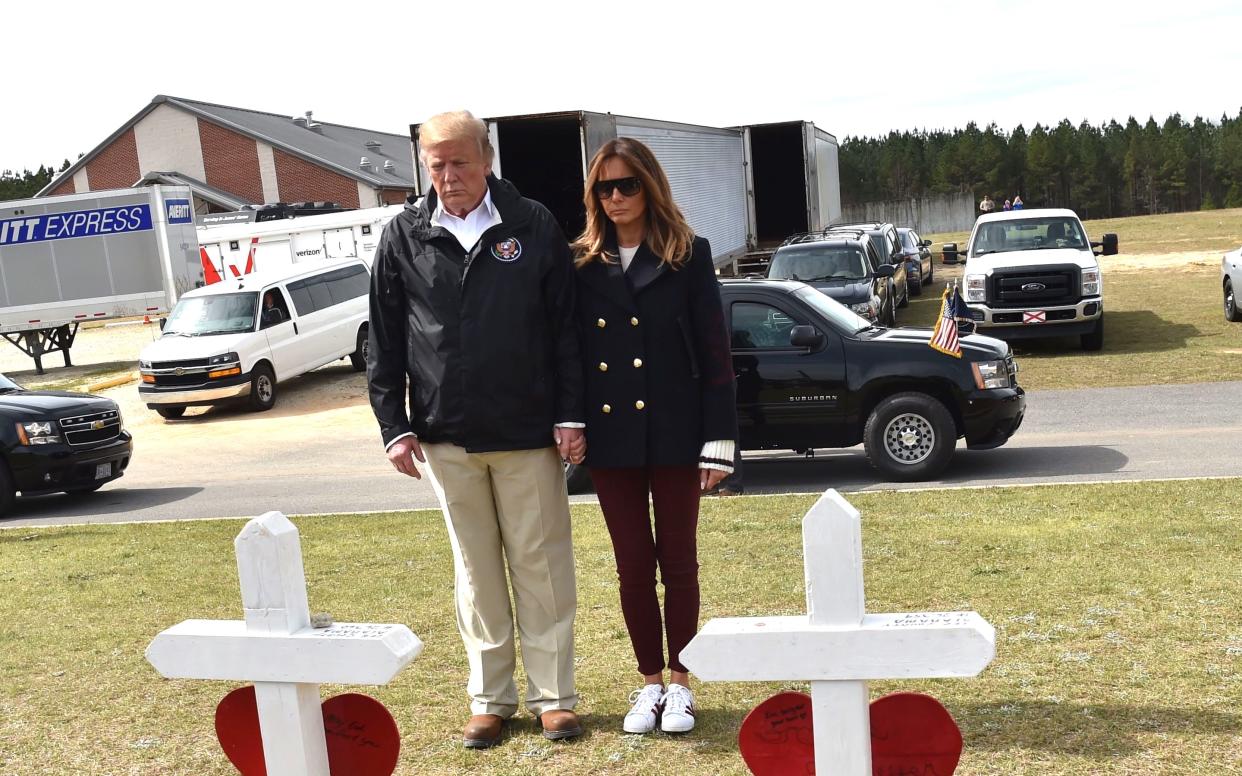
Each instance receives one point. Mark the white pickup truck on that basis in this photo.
(1231, 279)
(1034, 273)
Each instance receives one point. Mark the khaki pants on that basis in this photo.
(510, 508)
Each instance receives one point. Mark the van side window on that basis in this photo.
(320, 292)
(301, 297)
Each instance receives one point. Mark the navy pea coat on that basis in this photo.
(658, 373)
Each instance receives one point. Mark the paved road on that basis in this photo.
(1149, 432)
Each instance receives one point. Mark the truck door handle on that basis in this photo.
(295, 327)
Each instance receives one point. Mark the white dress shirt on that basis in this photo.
(468, 230)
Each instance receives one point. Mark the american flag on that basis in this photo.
(952, 307)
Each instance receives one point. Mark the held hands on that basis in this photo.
(570, 443)
(710, 478)
(402, 454)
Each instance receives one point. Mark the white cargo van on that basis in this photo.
(239, 338)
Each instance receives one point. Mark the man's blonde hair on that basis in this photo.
(454, 125)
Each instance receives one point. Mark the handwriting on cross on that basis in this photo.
(837, 646)
(276, 647)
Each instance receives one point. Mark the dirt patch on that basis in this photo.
(1134, 262)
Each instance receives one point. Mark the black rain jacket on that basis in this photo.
(482, 343)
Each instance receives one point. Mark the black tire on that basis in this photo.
(909, 437)
(171, 413)
(358, 359)
(577, 478)
(905, 298)
(262, 388)
(892, 313)
(8, 493)
(931, 273)
(916, 285)
(1232, 313)
(1094, 340)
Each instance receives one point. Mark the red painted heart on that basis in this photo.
(777, 739)
(910, 734)
(913, 733)
(362, 736)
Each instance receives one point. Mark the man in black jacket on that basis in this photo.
(472, 323)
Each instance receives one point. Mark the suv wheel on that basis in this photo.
(262, 389)
(358, 359)
(909, 437)
(1232, 313)
(892, 312)
(905, 297)
(8, 494)
(577, 478)
(931, 271)
(170, 412)
(1095, 339)
(916, 284)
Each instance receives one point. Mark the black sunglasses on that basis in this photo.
(627, 186)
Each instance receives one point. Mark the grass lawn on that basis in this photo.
(1116, 609)
(1161, 326)
(1209, 231)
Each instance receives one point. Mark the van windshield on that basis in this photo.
(818, 262)
(198, 316)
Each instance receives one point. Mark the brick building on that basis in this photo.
(232, 157)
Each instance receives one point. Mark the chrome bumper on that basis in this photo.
(191, 397)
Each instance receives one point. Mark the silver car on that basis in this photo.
(1230, 281)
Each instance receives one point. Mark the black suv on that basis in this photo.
(54, 441)
(812, 374)
(845, 266)
(888, 244)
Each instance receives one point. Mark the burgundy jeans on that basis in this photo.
(673, 548)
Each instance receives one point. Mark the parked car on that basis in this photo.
(57, 441)
(916, 252)
(888, 245)
(1231, 278)
(1034, 274)
(812, 374)
(844, 266)
(239, 338)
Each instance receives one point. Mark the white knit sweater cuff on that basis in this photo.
(718, 454)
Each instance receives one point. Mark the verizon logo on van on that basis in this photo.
(309, 252)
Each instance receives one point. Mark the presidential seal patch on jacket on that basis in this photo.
(507, 250)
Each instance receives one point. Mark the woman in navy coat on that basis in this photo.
(661, 421)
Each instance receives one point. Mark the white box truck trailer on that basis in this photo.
(795, 179)
(546, 156)
(232, 250)
(91, 257)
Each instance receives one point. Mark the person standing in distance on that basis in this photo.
(661, 420)
(472, 299)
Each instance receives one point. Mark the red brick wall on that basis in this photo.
(231, 161)
(301, 181)
(116, 166)
(395, 196)
(65, 188)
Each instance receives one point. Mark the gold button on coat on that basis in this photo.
(638, 362)
(607, 408)
(603, 366)
(638, 405)
(633, 321)
(601, 323)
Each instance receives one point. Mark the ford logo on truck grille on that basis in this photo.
(1033, 288)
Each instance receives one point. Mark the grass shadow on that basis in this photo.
(1125, 331)
(108, 501)
(1097, 731)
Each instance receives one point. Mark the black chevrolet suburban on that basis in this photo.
(812, 374)
(54, 441)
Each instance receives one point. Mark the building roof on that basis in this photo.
(334, 146)
(213, 195)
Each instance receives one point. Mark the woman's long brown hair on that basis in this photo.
(668, 235)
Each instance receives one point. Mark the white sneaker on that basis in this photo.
(678, 715)
(645, 710)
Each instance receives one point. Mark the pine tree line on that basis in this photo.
(1101, 172)
(26, 184)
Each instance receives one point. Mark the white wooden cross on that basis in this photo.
(276, 647)
(838, 646)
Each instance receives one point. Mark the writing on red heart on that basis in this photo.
(362, 736)
(910, 734)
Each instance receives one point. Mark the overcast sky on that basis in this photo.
(74, 72)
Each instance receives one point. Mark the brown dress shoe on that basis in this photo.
(483, 731)
(559, 724)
